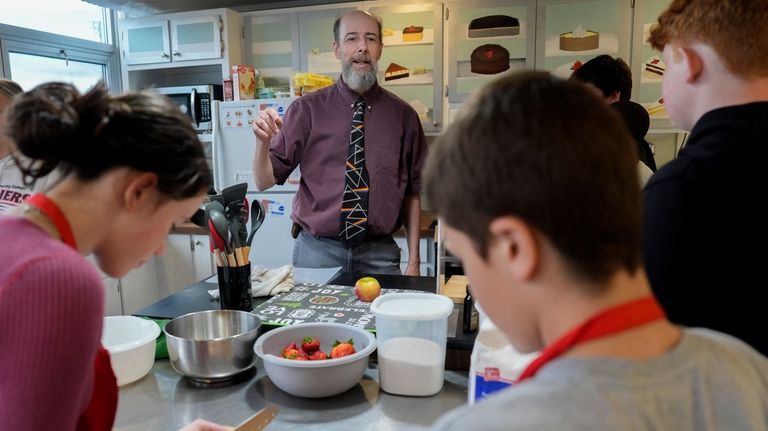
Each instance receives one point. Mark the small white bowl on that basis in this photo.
(315, 379)
(130, 342)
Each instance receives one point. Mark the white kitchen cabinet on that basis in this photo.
(140, 287)
(282, 42)
(187, 259)
(271, 45)
(157, 40)
(184, 48)
(114, 302)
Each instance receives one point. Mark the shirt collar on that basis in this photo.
(349, 96)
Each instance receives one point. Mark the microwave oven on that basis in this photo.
(195, 101)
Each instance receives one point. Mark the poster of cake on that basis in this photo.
(653, 69)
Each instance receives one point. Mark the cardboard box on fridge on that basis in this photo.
(244, 82)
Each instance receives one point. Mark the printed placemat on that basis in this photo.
(311, 302)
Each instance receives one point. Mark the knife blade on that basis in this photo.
(258, 421)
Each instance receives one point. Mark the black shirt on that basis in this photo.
(706, 226)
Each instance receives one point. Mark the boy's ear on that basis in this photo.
(140, 190)
(693, 64)
(514, 243)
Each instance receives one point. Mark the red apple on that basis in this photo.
(367, 289)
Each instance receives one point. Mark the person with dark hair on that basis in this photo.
(13, 188)
(612, 78)
(547, 223)
(132, 166)
(638, 121)
(361, 149)
(705, 220)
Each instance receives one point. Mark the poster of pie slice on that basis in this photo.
(396, 71)
(653, 69)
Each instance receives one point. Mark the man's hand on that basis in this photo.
(267, 125)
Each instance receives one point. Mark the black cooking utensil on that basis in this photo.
(257, 218)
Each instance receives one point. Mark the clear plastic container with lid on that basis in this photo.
(411, 332)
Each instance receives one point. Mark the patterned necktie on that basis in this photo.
(354, 206)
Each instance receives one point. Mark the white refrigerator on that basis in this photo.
(232, 156)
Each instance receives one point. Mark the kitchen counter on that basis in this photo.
(165, 400)
(196, 298)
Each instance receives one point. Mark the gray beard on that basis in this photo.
(359, 82)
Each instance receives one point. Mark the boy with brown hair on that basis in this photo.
(542, 205)
(704, 212)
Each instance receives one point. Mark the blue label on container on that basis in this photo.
(484, 387)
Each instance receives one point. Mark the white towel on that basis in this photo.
(267, 282)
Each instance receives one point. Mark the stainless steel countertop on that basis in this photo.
(165, 400)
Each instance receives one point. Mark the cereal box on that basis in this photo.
(244, 82)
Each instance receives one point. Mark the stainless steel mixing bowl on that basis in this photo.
(212, 345)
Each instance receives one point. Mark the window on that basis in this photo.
(58, 40)
(73, 18)
(30, 70)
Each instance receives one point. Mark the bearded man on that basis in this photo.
(361, 150)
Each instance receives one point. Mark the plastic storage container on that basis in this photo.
(411, 330)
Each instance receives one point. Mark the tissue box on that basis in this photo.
(244, 82)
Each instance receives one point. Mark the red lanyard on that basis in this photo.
(54, 214)
(607, 322)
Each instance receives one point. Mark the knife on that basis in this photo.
(259, 420)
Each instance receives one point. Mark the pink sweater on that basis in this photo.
(51, 314)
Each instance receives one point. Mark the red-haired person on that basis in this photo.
(704, 217)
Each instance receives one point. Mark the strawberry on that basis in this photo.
(293, 352)
(342, 348)
(318, 355)
(310, 344)
(291, 346)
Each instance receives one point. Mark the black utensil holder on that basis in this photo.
(235, 287)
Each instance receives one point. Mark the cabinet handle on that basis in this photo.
(176, 53)
(198, 242)
(165, 55)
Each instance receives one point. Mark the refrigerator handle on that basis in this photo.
(215, 143)
(193, 107)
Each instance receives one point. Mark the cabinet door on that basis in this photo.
(316, 41)
(421, 53)
(114, 304)
(202, 259)
(272, 46)
(478, 42)
(196, 38)
(570, 32)
(176, 271)
(140, 287)
(145, 41)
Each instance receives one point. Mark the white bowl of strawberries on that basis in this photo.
(315, 360)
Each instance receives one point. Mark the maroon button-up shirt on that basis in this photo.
(315, 133)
